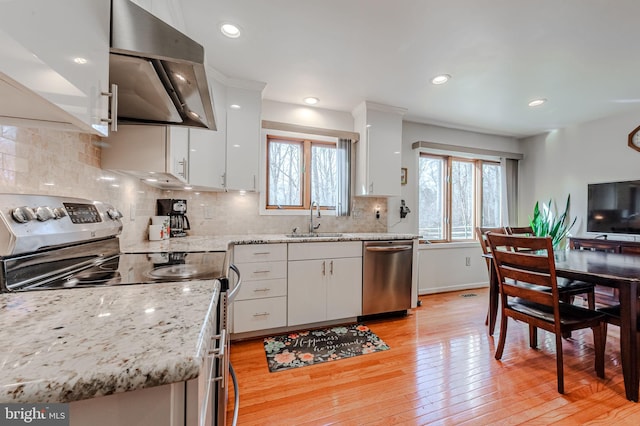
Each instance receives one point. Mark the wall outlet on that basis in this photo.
(467, 261)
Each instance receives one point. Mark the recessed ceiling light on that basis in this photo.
(311, 100)
(230, 30)
(440, 79)
(180, 77)
(194, 114)
(80, 60)
(537, 102)
(235, 106)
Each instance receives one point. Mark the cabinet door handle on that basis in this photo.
(261, 253)
(261, 289)
(324, 268)
(183, 163)
(261, 314)
(223, 180)
(113, 108)
(254, 181)
(263, 271)
(331, 268)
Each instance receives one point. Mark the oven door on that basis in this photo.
(225, 370)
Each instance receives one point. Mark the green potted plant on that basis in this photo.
(546, 222)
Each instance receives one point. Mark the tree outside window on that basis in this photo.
(300, 172)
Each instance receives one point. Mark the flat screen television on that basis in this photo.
(614, 207)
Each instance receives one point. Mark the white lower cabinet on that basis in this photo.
(154, 406)
(262, 300)
(324, 281)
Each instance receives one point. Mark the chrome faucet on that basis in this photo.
(313, 228)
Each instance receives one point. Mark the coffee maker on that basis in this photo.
(177, 212)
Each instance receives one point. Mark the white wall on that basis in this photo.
(306, 116)
(441, 267)
(564, 161)
(450, 267)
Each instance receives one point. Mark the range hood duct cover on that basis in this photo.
(159, 71)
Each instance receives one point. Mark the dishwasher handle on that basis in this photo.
(388, 248)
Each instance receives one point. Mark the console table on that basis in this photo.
(610, 246)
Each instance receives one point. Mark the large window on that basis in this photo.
(456, 195)
(301, 171)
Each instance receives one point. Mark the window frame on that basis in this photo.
(305, 177)
(447, 160)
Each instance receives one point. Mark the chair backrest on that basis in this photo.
(481, 233)
(525, 267)
(520, 230)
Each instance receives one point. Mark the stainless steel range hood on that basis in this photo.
(159, 71)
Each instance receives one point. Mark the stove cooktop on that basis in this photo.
(140, 268)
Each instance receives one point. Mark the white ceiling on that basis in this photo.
(581, 55)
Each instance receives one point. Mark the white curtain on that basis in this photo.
(343, 204)
(509, 168)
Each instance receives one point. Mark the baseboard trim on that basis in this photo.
(444, 289)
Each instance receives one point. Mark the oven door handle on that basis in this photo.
(236, 288)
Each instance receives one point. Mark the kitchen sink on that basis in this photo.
(315, 235)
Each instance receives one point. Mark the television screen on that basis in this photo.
(614, 207)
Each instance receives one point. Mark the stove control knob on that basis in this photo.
(23, 214)
(59, 213)
(114, 214)
(44, 213)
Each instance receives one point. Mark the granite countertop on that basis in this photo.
(223, 242)
(68, 345)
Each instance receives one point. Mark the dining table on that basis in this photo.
(615, 270)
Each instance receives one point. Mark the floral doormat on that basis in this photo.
(304, 348)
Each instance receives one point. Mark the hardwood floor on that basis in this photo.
(440, 370)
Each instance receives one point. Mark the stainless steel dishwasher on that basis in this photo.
(386, 285)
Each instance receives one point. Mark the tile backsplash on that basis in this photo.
(46, 161)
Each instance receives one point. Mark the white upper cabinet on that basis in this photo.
(378, 153)
(228, 159)
(55, 63)
(208, 148)
(150, 152)
(244, 109)
(207, 159)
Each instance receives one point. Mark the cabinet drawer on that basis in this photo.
(262, 270)
(259, 253)
(262, 288)
(259, 314)
(324, 250)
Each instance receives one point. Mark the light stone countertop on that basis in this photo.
(223, 242)
(68, 345)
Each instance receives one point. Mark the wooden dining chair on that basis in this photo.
(568, 288)
(529, 292)
(492, 312)
(520, 230)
